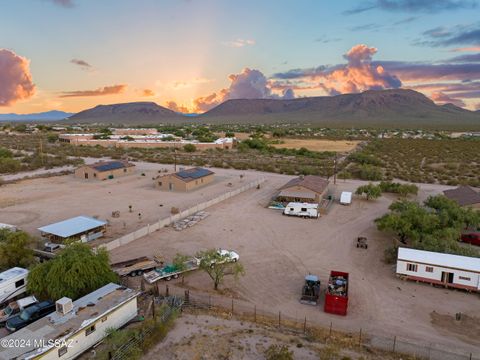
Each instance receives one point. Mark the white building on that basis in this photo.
(13, 282)
(436, 268)
(75, 326)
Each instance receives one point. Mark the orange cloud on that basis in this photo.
(148, 92)
(106, 90)
(467, 49)
(442, 98)
(15, 78)
(172, 105)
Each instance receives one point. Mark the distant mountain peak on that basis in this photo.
(51, 115)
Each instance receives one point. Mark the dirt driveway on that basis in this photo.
(279, 251)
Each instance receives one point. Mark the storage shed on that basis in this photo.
(82, 228)
(346, 198)
(185, 180)
(448, 270)
(104, 170)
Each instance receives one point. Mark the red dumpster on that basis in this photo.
(336, 295)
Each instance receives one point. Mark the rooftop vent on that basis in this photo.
(64, 305)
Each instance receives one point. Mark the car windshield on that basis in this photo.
(25, 315)
(8, 310)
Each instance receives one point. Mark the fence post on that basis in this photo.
(305, 325)
(255, 313)
(394, 343)
(153, 307)
(279, 319)
(109, 355)
(330, 334)
(167, 292)
(360, 338)
(209, 301)
(187, 297)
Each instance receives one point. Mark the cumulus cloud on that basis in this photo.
(238, 43)
(172, 105)
(442, 98)
(82, 63)
(413, 6)
(106, 90)
(249, 84)
(359, 74)
(147, 92)
(15, 78)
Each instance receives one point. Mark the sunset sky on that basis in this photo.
(190, 55)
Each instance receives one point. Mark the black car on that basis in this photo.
(29, 315)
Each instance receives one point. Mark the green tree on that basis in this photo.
(190, 148)
(218, 266)
(76, 271)
(15, 249)
(229, 134)
(371, 191)
(52, 137)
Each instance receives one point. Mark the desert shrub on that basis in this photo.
(277, 352)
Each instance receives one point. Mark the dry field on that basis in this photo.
(33, 203)
(318, 145)
(278, 252)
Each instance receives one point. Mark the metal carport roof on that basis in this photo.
(73, 226)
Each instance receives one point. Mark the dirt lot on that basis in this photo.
(33, 203)
(277, 252)
(319, 145)
(196, 337)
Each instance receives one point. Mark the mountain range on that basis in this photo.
(400, 108)
(43, 116)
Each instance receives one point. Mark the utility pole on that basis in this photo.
(335, 169)
(175, 157)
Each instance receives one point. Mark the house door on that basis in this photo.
(86, 175)
(170, 186)
(447, 277)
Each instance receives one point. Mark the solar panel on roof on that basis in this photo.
(193, 173)
(109, 166)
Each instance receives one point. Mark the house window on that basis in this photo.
(304, 209)
(412, 267)
(62, 351)
(159, 183)
(201, 180)
(125, 170)
(86, 175)
(90, 330)
(429, 269)
(464, 278)
(20, 283)
(94, 174)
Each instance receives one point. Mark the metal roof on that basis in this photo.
(193, 173)
(297, 194)
(73, 226)
(463, 195)
(86, 310)
(439, 259)
(12, 273)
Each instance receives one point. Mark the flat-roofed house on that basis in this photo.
(104, 170)
(82, 228)
(465, 196)
(75, 326)
(185, 180)
(309, 189)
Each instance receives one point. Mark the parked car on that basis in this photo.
(14, 307)
(471, 238)
(53, 247)
(29, 315)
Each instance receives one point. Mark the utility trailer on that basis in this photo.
(311, 290)
(136, 267)
(171, 271)
(336, 295)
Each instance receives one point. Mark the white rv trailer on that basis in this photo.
(302, 210)
(346, 198)
(75, 326)
(442, 269)
(13, 283)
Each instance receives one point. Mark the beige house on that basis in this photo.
(465, 196)
(310, 189)
(104, 170)
(185, 180)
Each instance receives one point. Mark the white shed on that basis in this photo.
(346, 198)
(436, 268)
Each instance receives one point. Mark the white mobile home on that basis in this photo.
(74, 326)
(13, 282)
(436, 268)
(346, 198)
(301, 210)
